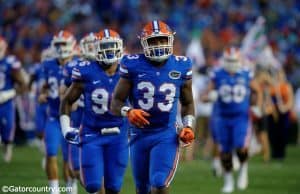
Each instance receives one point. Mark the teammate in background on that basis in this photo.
(103, 136)
(36, 83)
(87, 52)
(10, 73)
(154, 82)
(63, 43)
(231, 87)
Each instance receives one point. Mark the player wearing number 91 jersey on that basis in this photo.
(103, 136)
(154, 82)
(232, 86)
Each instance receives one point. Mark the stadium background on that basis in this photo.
(29, 25)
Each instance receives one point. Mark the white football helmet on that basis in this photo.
(232, 60)
(109, 47)
(87, 46)
(64, 44)
(157, 41)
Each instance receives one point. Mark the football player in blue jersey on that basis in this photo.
(230, 88)
(36, 78)
(10, 73)
(87, 52)
(64, 44)
(103, 136)
(154, 82)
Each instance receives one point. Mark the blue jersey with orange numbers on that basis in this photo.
(7, 66)
(98, 90)
(53, 75)
(233, 91)
(156, 90)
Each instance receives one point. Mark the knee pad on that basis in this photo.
(92, 187)
(226, 159)
(158, 180)
(242, 155)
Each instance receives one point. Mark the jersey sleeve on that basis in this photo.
(14, 63)
(77, 74)
(188, 70)
(213, 74)
(67, 76)
(249, 73)
(44, 71)
(125, 69)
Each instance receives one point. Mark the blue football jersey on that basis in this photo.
(98, 91)
(53, 75)
(7, 66)
(67, 76)
(233, 91)
(156, 90)
(67, 72)
(37, 73)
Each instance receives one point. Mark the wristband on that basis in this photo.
(189, 121)
(125, 110)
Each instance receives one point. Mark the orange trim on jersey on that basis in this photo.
(172, 173)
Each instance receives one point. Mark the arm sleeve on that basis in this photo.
(14, 63)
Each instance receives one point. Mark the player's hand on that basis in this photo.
(187, 136)
(72, 136)
(137, 117)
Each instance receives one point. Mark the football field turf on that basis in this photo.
(191, 178)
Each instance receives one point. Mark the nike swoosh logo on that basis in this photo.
(88, 135)
(141, 75)
(97, 81)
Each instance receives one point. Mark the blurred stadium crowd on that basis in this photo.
(28, 26)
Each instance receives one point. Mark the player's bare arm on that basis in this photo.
(121, 93)
(187, 135)
(72, 94)
(186, 99)
(18, 77)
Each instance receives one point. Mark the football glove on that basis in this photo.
(186, 135)
(72, 136)
(137, 117)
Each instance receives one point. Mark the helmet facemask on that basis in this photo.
(232, 65)
(158, 47)
(109, 50)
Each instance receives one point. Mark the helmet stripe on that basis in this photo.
(106, 33)
(155, 25)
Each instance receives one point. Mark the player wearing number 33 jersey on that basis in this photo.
(154, 82)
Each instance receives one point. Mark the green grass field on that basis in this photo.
(191, 178)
